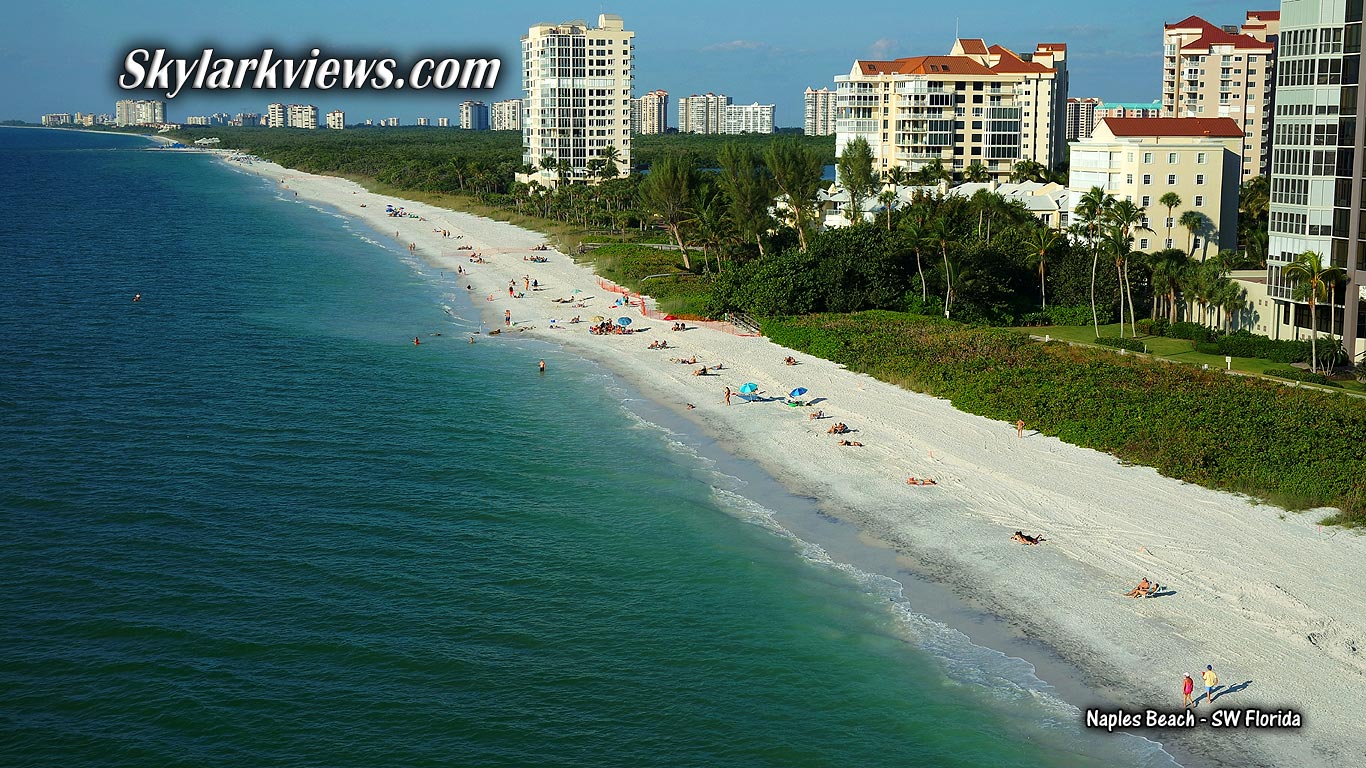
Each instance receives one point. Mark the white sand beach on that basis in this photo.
(1272, 600)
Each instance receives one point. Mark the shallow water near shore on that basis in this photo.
(249, 520)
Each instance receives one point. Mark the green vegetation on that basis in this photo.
(656, 272)
(1298, 448)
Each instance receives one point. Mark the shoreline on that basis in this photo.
(1107, 525)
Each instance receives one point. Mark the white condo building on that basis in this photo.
(302, 116)
(275, 115)
(650, 113)
(820, 112)
(1318, 159)
(139, 112)
(474, 116)
(506, 115)
(336, 120)
(443, 122)
(577, 81)
(702, 114)
(978, 104)
(747, 118)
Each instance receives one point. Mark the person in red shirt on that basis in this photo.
(1187, 687)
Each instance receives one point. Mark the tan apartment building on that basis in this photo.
(1081, 117)
(1210, 71)
(979, 104)
(819, 108)
(1142, 159)
(577, 81)
(506, 115)
(704, 113)
(650, 112)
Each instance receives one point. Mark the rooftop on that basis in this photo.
(1215, 127)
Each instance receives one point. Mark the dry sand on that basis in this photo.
(1275, 602)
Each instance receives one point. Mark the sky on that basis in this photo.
(64, 56)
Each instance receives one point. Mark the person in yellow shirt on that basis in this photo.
(1211, 680)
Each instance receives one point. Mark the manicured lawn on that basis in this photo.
(1165, 348)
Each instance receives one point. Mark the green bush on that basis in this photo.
(1157, 326)
(1077, 316)
(1207, 348)
(1301, 447)
(1300, 374)
(1247, 344)
(1133, 345)
(1191, 331)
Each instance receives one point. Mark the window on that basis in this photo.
(1170, 221)
(1147, 178)
(1147, 157)
(1199, 200)
(1147, 201)
(1143, 244)
(1171, 179)
(1171, 158)
(1128, 178)
(1169, 240)
(1200, 157)
(1129, 156)
(1199, 178)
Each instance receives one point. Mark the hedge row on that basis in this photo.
(1299, 374)
(1133, 345)
(1300, 448)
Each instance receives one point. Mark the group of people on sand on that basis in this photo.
(608, 328)
(790, 360)
(838, 428)
(921, 481)
(1145, 588)
(853, 443)
(1023, 538)
(658, 345)
(679, 327)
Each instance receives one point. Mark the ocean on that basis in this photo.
(247, 521)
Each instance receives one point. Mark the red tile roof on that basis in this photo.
(975, 45)
(1265, 15)
(1217, 127)
(1011, 62)
(1052, 47)
(1212, 37)
(925, 65)
(1191, 22)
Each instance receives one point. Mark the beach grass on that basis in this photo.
(654, 272)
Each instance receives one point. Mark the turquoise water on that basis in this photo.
(246, 521)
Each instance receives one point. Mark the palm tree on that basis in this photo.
(888, 199)
(1193, 221)
(941, 232)
(1313, 283)
(1127, 216)
(610, 157)
(797, 175)
(917, 238)
(1170, 201)
(1089, 211)
(1167, 267)
(897, 177)
(1231, 300)
(1040, 241)
(976, 173)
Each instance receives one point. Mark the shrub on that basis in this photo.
(1207, 347)
(1157, 327)
(1133, 345)
(1247, 344)
(1058, 316)
(1299, 374)
(1192, 331)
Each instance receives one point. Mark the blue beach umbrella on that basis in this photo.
(623, 321)
(749, 389)
(796, 393)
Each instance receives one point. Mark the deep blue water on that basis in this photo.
(246, 521)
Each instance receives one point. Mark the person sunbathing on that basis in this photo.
(838, 429)
(925, 481)
(851, 442)
(816, 415)
(790, 360)
(1144, 589)
(700, 371)
(1024, 538)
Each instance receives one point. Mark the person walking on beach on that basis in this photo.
(1210, 680)
(1187, 687)
(1019, 429)
(507, 318)
(727, 395)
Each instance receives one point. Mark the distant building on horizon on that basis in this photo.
(819, 112)
(577, 82)
(650, 113)
(1211, 71)
(424, 121)
(747, 118)
(506, 115)
(474, 115)
(1081, 117)
(702, 113)
(336, 120)
(57, 119)
(197, 120)
(275, 115)
(975, 105)
(302, 116)
(139, 112)
(443, 122)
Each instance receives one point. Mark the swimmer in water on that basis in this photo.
(542, 366)
(137, 297)
(416, 341)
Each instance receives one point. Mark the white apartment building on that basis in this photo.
(443, 122)
(1142, 159)
(56, 119)
(702, 114)
(506, 115)
(1210, 71)
(577, 81)
(650, 113)
(276, 116)
(139, 112)
(302, 116)
(978, 104)
(747, 118)
(197, 120)
(474, 116)
(1317, 157)
(336, 120)
(1081, 117)
(819, 112)
(424, 121)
